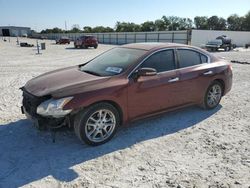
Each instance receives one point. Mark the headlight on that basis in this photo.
(54, 107)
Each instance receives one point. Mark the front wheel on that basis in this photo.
(213, 95)
(97, 124)
(227, 48)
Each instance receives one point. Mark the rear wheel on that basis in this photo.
(95, 46)
(97, 124)
(213, 95)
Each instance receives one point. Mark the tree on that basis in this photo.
(174, 23)
(185, 23)
(216, 23)
(75, 29)
(87, 29)
(148, 26)
(212, 22)
(222, 24)
(246, 22)
(201, 22)
(54, 30)
(127, 27)
(101, 29)
(166, 20)
(109, 29)
(160, 25)
(235, 23)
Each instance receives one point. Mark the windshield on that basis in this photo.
(112, 62)
(215, 42)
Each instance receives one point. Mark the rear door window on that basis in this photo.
(189, 58)
(161, 61)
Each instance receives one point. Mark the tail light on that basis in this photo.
(230, 67)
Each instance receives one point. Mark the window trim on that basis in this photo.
(175, 49)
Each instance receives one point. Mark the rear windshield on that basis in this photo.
(112, 62)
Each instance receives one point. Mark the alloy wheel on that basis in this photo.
(214, 95)
(100, 125)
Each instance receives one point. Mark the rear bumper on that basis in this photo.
(228, 84)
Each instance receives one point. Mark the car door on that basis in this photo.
(149, 94)
(195, 74)
(88, 41)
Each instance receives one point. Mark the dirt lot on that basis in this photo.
(187, 148)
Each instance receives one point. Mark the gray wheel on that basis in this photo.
(213, 95)
(97, 124)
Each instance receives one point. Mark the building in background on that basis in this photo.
(14, 31)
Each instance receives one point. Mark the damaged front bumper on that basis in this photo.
(43, 123)
(29, 107)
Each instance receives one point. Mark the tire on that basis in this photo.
(95, 129)
(213, 96)
(95, 46)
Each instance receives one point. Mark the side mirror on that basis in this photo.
(146, 72)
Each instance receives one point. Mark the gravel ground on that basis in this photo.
(187, 148)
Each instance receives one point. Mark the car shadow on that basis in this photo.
(28, 155)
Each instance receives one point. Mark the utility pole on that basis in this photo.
(65, 26)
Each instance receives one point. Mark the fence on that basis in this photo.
(118, 38)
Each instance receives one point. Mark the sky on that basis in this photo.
(42, 14)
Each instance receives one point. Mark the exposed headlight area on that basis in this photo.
(54, 107)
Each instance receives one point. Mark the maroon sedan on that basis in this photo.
(124, 84)
(86, 42)
(63, 40)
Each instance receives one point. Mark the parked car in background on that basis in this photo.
(63, 40)
(221, 42)
(43, 37)
(86, 41)
(124, 84)
(25, 44)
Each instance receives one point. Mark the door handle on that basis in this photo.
(208, 73)
(173, 79)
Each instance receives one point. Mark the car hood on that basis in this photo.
(62, 82)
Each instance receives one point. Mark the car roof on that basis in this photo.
(87, 36)
(153, 45)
